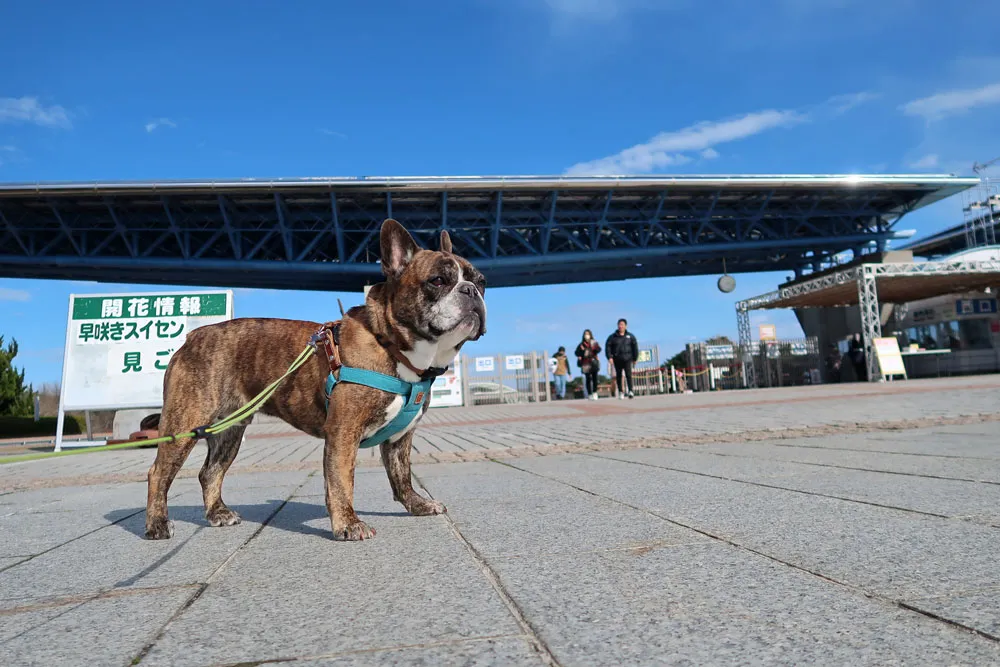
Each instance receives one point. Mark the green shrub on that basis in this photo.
(26, 427)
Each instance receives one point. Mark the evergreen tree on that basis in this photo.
(16, 399)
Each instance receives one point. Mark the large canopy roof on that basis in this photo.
(900, 282)
(322, 233)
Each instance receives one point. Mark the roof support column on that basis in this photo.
(871, 320)
(746, 353)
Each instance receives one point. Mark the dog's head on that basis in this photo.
(434, 294)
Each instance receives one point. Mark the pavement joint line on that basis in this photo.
(364, 651)
(843, 467)
(858, 590)
(202, 587)
(640, 548)
(885, 451)
(51, 603)
(657, 441)
(775, 487)
(534, 638)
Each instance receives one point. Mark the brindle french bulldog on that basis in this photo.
(430, 304)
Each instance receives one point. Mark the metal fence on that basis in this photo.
(506, 378)
(780, 363)
(527, 378)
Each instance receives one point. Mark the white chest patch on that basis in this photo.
(390, 413)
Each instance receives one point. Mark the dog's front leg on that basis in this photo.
(339, 457)
(396, 458)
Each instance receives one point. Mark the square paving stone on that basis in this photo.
(118, 556)
(718, 605)
(535, 525)
(109, 631)
(290, 594)
(890, 551)
(976, 609)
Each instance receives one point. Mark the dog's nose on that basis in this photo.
(468, 289)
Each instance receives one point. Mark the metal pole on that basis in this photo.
(871, 318)
(466, 397)
(673, 379)
(534, 375)
(60, 421)
(743, 325)
(90, 429)
(548, 387)
(711, 376)
(37, 408)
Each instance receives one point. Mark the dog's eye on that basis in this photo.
(437, 281)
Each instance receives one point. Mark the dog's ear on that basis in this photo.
(398, 248)
(445, 241)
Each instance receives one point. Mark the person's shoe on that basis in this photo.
(594, 397)
(631, 395)
(621, 396)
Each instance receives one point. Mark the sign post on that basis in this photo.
(767, 332)
(118, 346)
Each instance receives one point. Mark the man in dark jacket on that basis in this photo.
(622, 349)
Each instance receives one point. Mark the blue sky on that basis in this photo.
(116, 90)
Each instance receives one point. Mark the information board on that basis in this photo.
(890, 360)
(514, 362)
(767, 332)
(118, 345)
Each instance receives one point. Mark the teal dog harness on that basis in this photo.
(415, 393)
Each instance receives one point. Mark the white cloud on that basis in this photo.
(709, 154)
(8, 294)
(669, 148)
(30, 110)
(158, 123)
(841, 104)
(602, 10)
(929, 161)
(332, 133)
(953, 102)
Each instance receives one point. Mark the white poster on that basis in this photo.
(484, 364)
(118, 345)
(514, 362)
(447, 389)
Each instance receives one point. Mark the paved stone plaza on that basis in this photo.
(847, 524)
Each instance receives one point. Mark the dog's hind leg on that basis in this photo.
(169, 459)
(222, 450)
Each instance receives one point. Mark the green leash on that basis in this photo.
(242, 413)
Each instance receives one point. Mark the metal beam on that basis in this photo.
(67, 232)
(227, 226)
(283, 228)
(495, 227)
(13, 232)
(549, 223)
(183, 242)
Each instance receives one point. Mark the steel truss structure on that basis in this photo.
(322, 234)
(901, 282)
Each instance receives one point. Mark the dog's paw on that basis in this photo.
(222, 516)
(354, 532)
(159, 529)
(419, 506)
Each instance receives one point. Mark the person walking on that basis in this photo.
(623, 350)
(561, 372)
(589, 361)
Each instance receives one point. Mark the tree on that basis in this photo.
(15, 399)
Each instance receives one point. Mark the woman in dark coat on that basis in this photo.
(590, 363)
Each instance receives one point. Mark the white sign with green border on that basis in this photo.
(118, 346)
